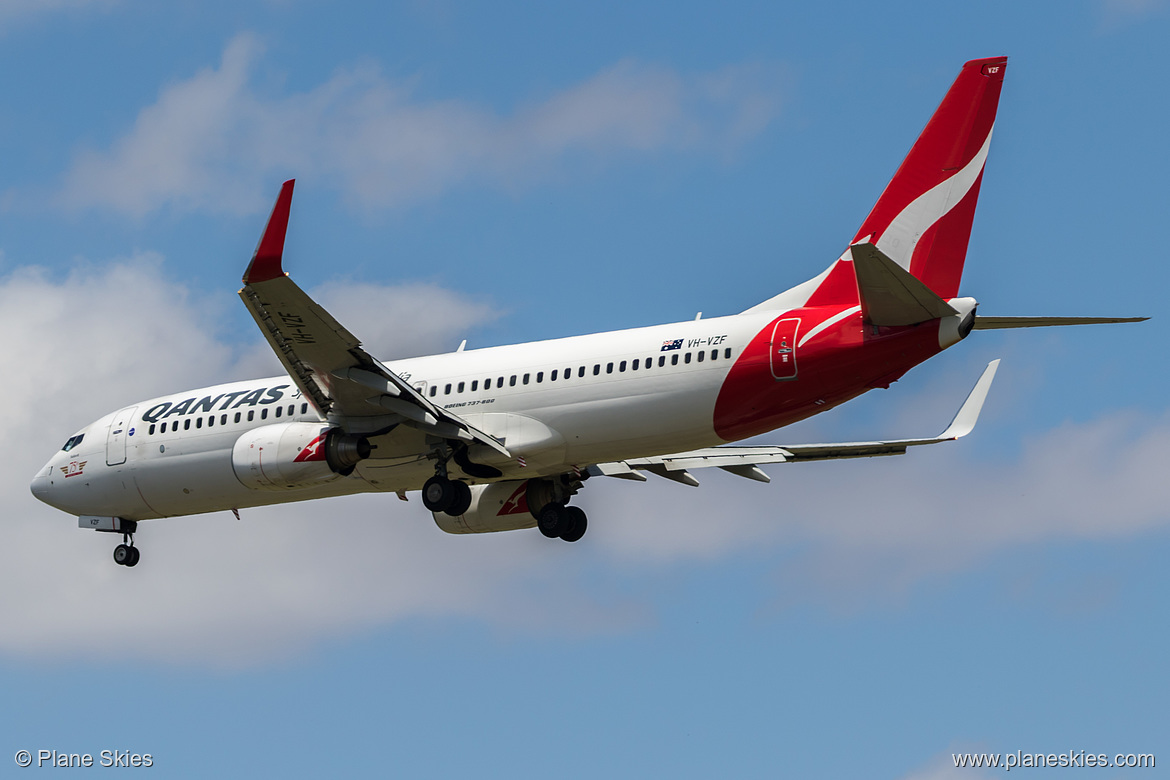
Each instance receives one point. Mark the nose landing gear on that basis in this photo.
(126, 554)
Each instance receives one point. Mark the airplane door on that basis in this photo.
(116, 440)
(783, 348)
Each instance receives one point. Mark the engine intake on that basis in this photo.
(296, 455)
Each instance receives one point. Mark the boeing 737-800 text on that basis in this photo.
(504, 438)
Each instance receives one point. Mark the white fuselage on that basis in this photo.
(556, 404)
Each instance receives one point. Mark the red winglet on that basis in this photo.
(265, 263)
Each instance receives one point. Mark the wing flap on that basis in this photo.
(744, 460)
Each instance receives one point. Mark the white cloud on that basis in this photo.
(15, 9)
(1117, 13)
(943, 768)
(285, 580)
(403, 320)
(873, 529)
(213, 142)
(392, 321)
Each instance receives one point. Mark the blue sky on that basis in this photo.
(512, 171)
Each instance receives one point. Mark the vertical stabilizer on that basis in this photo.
(923, 219)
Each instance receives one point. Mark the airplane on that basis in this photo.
(504, 438)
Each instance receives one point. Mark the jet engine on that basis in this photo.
(499, 506)
(296, 455)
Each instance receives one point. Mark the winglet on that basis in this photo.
(968, 413)
(265, 263)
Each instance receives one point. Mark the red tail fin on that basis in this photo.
(923, 219)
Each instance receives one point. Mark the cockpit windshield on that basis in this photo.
(73, 442)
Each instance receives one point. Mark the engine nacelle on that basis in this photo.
(499, 506)
(296, 455)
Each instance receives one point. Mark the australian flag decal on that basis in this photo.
(668, 345)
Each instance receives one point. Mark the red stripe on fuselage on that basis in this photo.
(840, 363)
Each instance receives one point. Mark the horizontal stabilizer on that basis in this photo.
(996, 323)
(891, 295)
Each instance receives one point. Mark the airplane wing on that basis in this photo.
(745, 461)
(342, 380)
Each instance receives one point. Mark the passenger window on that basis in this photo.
(662, 360)
(175, 425)
(727, 354)
(251, 415)
(581, 372)
(447, 389)
(460, 389)
(568, 373)
(649, 362)
(237, 419)
(223, 419)
(198, 422)
(539, 377)
(304, 409)
(553, 376)
(701, 356)
(278, 411)
(714, 354)
(635, 364)
(474, 385)
(263, 414)
(526, 378)
(187, 424)
(434, 389)
(151, 431)
(487, 383)
(512, 381)
(596, 369)
(621, 366)
(291, 408)
(211, 421)
(674, 359)
(687, 358)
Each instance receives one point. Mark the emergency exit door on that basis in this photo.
(783, 348)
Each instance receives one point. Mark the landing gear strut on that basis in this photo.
(440, 493)
(126, 554)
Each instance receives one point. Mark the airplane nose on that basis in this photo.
(40, 485)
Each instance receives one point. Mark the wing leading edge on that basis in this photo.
(343, 381)
(744, 461)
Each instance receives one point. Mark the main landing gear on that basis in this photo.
(546, 499)
(449, 496)
(566, 522)
(126, 554)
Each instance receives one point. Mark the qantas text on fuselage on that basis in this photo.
(506, 438)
